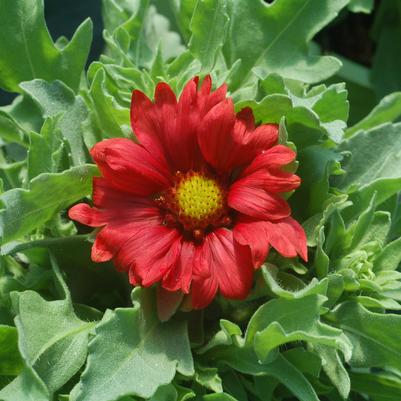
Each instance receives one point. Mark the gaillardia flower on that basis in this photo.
(197, 203)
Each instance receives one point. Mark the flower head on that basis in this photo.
(197, 203)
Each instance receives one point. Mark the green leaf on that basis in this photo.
(10, 130)
(115, 13)
(361, 6)
(374, 165)
(387, 58)
(184, 393)
(54, 99)
(25, 111)
(182, 11)
(273, 280)
(133, 342)
(371, 334)
(281, 321)
(306, 361)
(270, 109)
(378, 386)
(279, 39)
(25, 210)
(111, 118)
(321, 109)
(362, 224)
(163, 393)
(316, 165)
(26, 387)
(27, 50)
(46, 149)
(218, 397)
(292, 378)
(208, 26)
(244, 360)
(334, 369)
(10, 359)
(388, 110)
(379, 228)
(209, 378)
(136, 30)
(52, 339)
(390, 257)
(322, 261)
(313, 225)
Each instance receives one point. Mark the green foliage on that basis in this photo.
(327, 329)
(387, 59)
(10, 360)
(52, 341)
(281, 33)
(149, 350)
(361, 6)
(208, 26)
(27, 210)
(56, 99)
(28, 52)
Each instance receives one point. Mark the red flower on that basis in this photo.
(197, 203)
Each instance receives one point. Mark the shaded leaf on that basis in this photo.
(361, 6)
(26, 387)
(10, 359)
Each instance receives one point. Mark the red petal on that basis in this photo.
(208, 100)
(86, 215)
(271, 159)
(245, 117)
(106, 196)
(203, 291)
(253, 233)
(121, 215)
(151, 252)
(101, 249)
(288, 238)
(215, 135)
(114, 208)
(164, 96)
(130, 167)
(228, 140)
(180, 276)
(168, 127)
(114, 237)
(230, 266)
(256, 202)
(262, 138)
(276, 182)
(145, 120)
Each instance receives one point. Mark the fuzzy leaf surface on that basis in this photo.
(133, 353)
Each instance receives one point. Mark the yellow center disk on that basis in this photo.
(199, 197)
